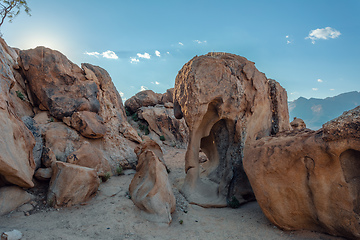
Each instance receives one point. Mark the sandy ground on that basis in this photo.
(112, 215)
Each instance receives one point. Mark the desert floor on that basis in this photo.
(112, 215)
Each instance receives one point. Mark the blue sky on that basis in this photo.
(311, 47)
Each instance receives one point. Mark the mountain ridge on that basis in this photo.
(316, 111)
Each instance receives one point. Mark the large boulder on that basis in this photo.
(150, 189)
(88, 156)
(71, 184)
(310, 180)
(58, 84)
(17, 163)
(142, 99)
(226, 102)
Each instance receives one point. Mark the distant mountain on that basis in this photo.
(315, 112)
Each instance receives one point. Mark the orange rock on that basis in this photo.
(17, 164)
(71, 184)
(150, 188)
(307, 180)
(226, 102)
(88, 156)
(58, 84)
(88, 124)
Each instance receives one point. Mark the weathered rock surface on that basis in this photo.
(88, 156)
(12, 197)
(43, 174)
(142, 99)
(71, 184)
(58, 84)
(88, 124)
(310, 180)
(298, 124)
(17, 142)
(226, 102)
(150, 188)
(168, 96)
(162, 121)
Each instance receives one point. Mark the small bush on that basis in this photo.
(106, 177)
(127, 112)
(146, 130)
(135, 117)
(20, 95)
(51, 119)
(234, 203)
(162, 138)
(119, 170)
(181, 221)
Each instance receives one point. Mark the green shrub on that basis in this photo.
(181, 221)
(135, 117)
(119, 170)
(20, 95)
(106, 177)
(162, 138)
(127, 112)
(233, 203)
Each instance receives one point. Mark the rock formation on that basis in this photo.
(50, 110)
(226, 102)
(12, 197)
(310, 180)
(150, 188)
(298, 124)
(142, 99)
(162, 121)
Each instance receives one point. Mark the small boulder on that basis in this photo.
(71, 184)
(12, 197)
(298, 124)
(43, 174)
(150, 188)
(88, 124)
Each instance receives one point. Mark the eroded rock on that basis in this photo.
(310, 180)
(150, 188)
(88, 124)
(226, 102)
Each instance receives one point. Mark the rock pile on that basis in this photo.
(53, 112)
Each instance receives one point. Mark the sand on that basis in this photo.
(112, 215)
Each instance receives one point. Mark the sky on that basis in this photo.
(311, 47)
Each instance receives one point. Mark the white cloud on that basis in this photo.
(315, 89)
(287, 36)
(319, 80)
(180, 43)
(145, 55)
(288, 42)
(199, 42)
(96, 54)
(134, 60)
(143, 88)
(323, 33)
(168, 52)
(121, 94)
(332, 89)
(109, 54)
(157, 53)
(157, 83)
